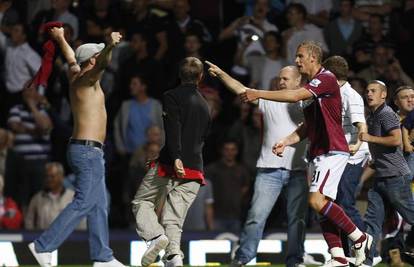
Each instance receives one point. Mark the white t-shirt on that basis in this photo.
(353, 112)
(309, 33)
(21, 64)
(280, 120)
(270, 70)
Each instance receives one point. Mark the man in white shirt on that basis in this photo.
(46, 205)
(275, 174)
(21, 62)
(318, 10)
(353, 122)
(300, 31)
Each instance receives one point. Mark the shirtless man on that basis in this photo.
(85, 155)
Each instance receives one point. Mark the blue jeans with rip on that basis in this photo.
(346, 199)
(395, 192)
(90, 201)
(268, 186)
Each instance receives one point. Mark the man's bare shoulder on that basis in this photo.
(87, 79)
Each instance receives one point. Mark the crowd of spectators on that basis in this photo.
(251, 39)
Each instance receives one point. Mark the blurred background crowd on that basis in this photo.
(251, 39)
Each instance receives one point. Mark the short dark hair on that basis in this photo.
(351, 1)
(314, 49)
(382, 85)
(338, 66)
(378, 16)
(190, 70)
(299, 8)
(401, 88)
(141, 78)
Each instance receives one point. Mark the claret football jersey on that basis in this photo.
(323, 115)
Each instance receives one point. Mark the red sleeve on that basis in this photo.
(42, 75)
(322, 84)
(15, 217)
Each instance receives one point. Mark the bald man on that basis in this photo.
(276, 175)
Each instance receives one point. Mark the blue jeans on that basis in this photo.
(268, 185)
(393, 191)
(346, 198)
(90, 200)
(409, 157)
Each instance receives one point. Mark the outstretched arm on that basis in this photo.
(232, 84)
(291, 96)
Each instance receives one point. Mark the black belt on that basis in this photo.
(86, 143)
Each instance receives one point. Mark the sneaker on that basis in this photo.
(300, 265)
(112, 263)
(157, 244)
(334, 263)
(375, 261)
(174, 261)
(236, 263)
(362, 249)
(308, 259)
(44, 259)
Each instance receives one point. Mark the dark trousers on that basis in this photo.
(346, 199)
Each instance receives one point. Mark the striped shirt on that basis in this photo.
(352, 113)
(388, 161)
(25, 144)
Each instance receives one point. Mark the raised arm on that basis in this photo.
(105, 56)
(102, 60)
(232, 84)
(58, 35)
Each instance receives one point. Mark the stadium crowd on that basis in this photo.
(253, 40)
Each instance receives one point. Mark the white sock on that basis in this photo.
(355, 235)
(337, 252)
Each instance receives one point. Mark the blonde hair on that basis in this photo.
(314, 49)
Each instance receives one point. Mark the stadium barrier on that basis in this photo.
(200, 248)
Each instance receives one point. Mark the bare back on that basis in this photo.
(88, 108)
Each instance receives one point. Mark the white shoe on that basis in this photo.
(44, 259)
(154, 249)
(174, 262)
(310, 260)
(376, 260)
(362, 249)
(112, 263)
(334, 263)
